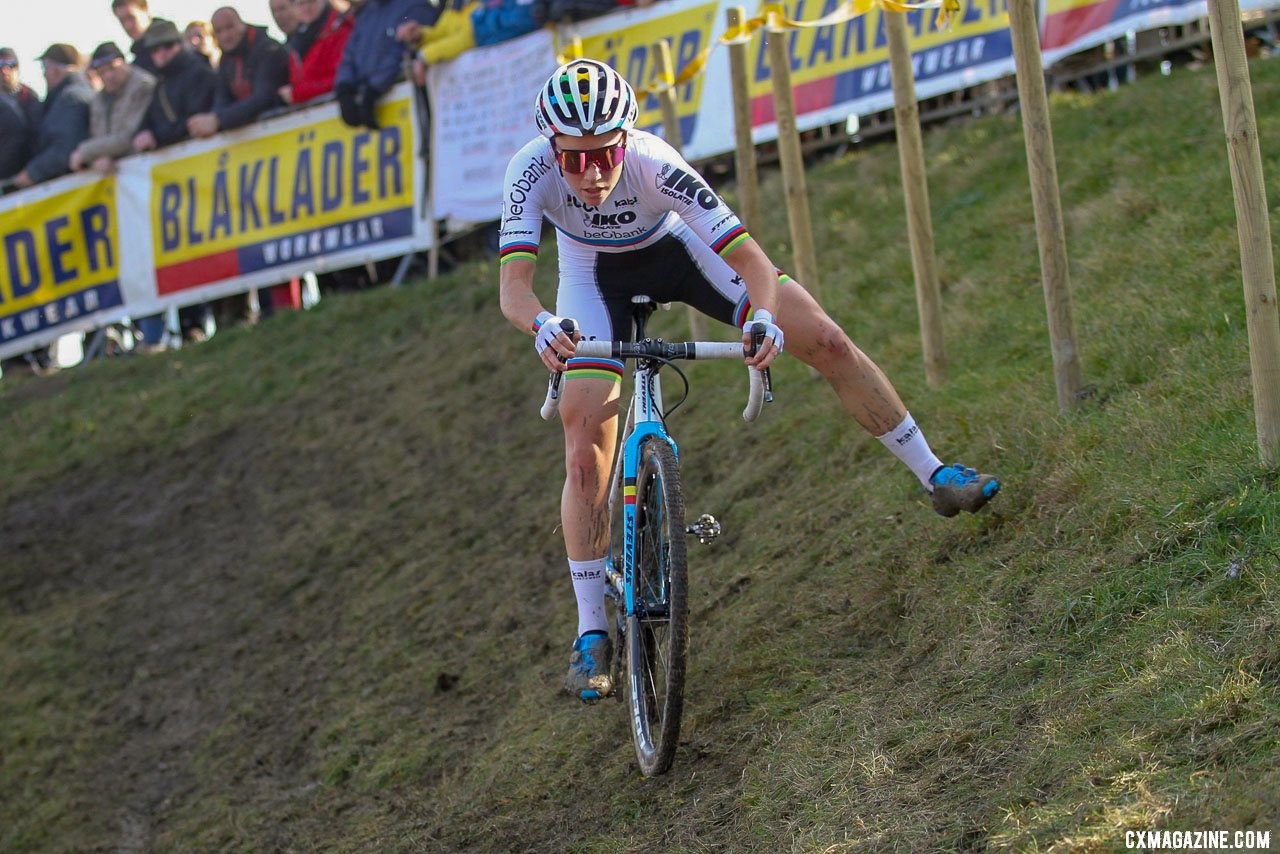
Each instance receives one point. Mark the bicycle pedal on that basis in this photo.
(705, 529)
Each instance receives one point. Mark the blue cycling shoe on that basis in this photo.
(588, 678)
(957, 488)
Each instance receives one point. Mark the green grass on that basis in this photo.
(303, 588)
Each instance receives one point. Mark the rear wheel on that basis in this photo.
(657, 634)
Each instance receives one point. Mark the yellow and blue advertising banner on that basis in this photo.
(61, 261)
(297, 193)
(304, 193)
(842, 69)
(837, 70)
(1070, 26)
(628, 47)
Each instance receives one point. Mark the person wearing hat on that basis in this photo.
(11, 84)
(185, 87)
(116, 111)
(20, 111)
(65, 123)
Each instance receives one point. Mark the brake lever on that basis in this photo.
(757, 338)
(553, 386)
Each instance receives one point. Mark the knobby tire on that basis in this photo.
(657, 635)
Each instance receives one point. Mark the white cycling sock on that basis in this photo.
(909, 445)
(588, 586)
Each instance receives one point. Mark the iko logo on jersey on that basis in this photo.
(679, 184)
(601, 220)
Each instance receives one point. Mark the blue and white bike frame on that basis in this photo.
(645, 419)
(654, 618)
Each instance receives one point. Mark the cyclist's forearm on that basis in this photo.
(520, 305)
(758, 275)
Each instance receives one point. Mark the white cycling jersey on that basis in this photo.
(657, 190)
(661, 232)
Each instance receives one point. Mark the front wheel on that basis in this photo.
(658, 632)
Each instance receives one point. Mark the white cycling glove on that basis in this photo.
(546, 326)
(771, 329)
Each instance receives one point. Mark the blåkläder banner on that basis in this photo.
(200, 220)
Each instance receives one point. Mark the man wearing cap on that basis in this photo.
(116, 111)
(66, 115)
(253, 68)
(11, 84)
(20, 110)
(135, 17)
(185, 87)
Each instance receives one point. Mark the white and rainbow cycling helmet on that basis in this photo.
(584, 97)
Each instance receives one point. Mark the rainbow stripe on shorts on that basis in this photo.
(583, 368)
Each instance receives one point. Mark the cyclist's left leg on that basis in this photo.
(863, 389)
(867, 395)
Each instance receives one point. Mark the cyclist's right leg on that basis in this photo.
(589, 414)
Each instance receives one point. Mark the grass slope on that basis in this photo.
(302, 588)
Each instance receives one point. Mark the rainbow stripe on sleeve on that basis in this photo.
(731, 241)
(514, 251)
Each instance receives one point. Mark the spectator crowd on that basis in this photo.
(158, 83)
(168, 83)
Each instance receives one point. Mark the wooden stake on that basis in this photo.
(1252, 220)
(745, 157)
(667, 94)
(915, 187)
(671, 130)
(1043, 171)
(792, 160)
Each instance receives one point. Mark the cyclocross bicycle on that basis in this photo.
(646, 572)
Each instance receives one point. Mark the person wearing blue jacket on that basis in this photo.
(371, 61)
(479, 23)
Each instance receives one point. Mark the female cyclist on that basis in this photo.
(634, 218)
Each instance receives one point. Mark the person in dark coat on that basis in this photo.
(135, 17)
(253, 68)
(11, 84)
(371, 62)
(20, 112)
(15, 137)
(186, 86)
(66, 116)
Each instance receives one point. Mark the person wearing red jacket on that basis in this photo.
(315, 49)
